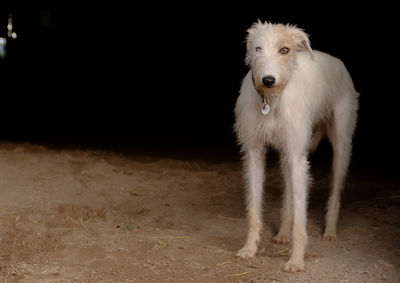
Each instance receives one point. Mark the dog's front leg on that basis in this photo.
(254, 163)
(285, 229)
(299, 178)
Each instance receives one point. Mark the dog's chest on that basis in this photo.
(273, 129)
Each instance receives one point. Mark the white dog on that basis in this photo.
(289, 100)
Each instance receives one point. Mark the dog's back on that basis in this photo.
(316, 84)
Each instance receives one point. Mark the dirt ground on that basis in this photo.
(69, 215)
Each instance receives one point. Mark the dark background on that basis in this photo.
(154, 75)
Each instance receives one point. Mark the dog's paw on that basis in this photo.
(247, 252)
(294, 266)
(281, 239)
(329, 236)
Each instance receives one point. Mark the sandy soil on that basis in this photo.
(98, 216)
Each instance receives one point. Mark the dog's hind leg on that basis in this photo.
(340, 130)
(318, 135)
(254, 162)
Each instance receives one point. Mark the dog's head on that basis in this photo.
(271, 55)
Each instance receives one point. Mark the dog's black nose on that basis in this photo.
(268, 81)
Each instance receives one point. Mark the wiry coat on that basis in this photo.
(313, 96)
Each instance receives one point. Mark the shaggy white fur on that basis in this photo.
(310, 94)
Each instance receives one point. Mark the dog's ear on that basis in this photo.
(254, 27)
(250, 32)
(300, 38)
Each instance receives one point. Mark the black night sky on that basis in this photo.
(157, 75)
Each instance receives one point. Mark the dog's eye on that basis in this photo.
(258, 49)
(284, 50)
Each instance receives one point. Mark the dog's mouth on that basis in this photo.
(266, 90)
(258, 89)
